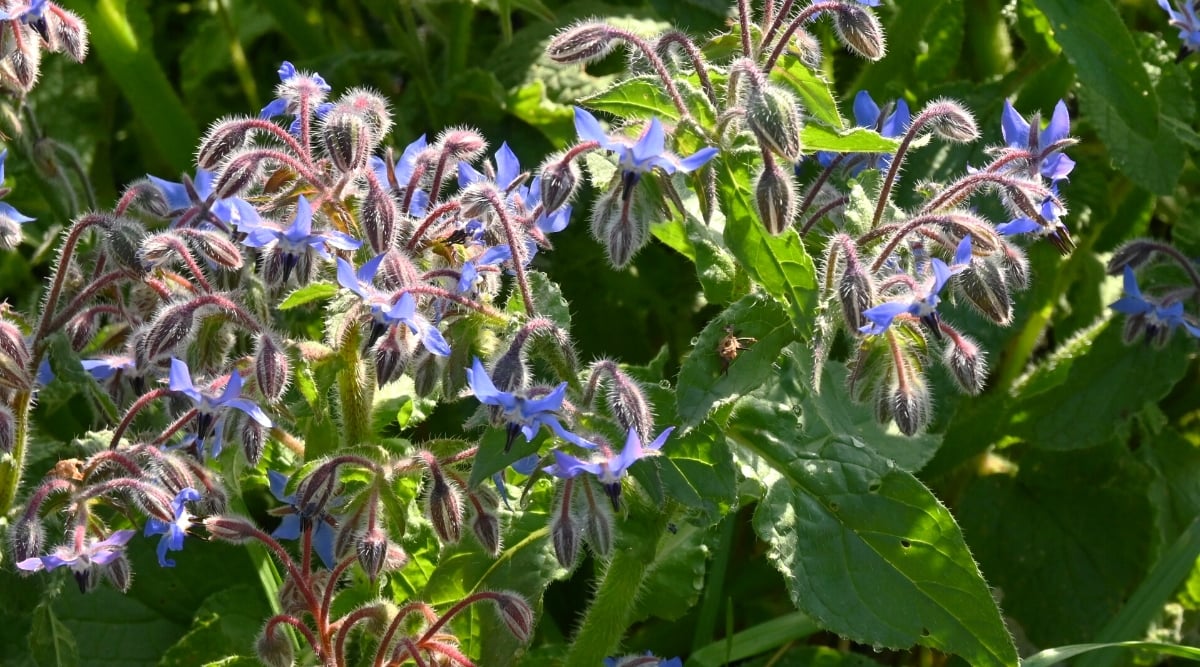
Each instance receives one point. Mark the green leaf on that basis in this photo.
(312, 292)
(547, 298)
(1080, 396)
(1145, 606)
(634, 98)
(127, 55)
(697, 472)
(227, 624)
(674, 581)
(784, 409)
(779, 263)
(491, 457)
(526, 565)
(855, 140)
(1081, 520)
(870, 554)
(757, 640)
(50, 642)
(813, 90)
(705, 379)
(1053, 656)
(1114, 73)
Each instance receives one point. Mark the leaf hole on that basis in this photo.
(925, 632)
(874, 486)
(905, 543)
(834, 507)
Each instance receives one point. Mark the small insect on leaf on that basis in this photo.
(730, 346)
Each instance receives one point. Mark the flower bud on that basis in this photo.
(426, 373)
(397, 271)
(985, 286)
(8, 431)
(564, 535)
(377, 214)
(811, 53)
(910, 405)
(372, 108)
(347, 139)
(516, 614)
(950, 121)
(443, 505)
(476, 199)
(273, 647)
(224, 138)
(966, 363)
(157, 250)
(124, 241)
(628, 405)
(558, 181)
(462, 144)
(240, 172)
(253, 440)
(272, 368)
(773, 115)
(26, 538)
(599, 529)
(1135, 326)
(582, 43)
(1133, 254)
(390, 359)
(855, 292)
(314, 492)
(168, 330)
(859, 30)
(11, 233)
(24, 64)
(775, 198)
(69, 33)
(372, 550)
(1015, 264)
(215, 247)
(12, 344)
(394, 558)
(118, 572)
(231, 529)
(486, 527)
(626, 234)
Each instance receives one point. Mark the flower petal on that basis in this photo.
(1014, 128)
(589, 128)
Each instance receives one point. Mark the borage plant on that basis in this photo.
(295, 319)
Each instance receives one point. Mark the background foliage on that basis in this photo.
(1075, 476)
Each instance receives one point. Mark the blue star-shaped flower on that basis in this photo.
(292, 85)
(84, 563)
(8, 210)
(107, 366)
(29, 12)
(1051, 163)
(1187, 20)
(608, 467)
(295, 519)
(231, 212)
(173, 531)
(404, 168)
(524, 415)
(648, 659)
(1157, 316)
(211, 411)
(867, 114)
(470, 268)
(647, 153)
(923, 303)
(385, 313)
(299, 239)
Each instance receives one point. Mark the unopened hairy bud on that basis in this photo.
(253, 440)
(377, 213)
(223, 139)
(274, 648)
(231, 529)
(624, 237)
(216, 247)
(239, 174)
(371, 549)
(443, 506)
(775, 198)
(486, 527)
(859, 29)
(119, 573)
(559, 179)
(950, 121)
(773, 115)
(516, 614)
(463, 144)
(124, 241)
(582, 43)
(911, 406)
(966, 363)
(348, 139)
(8, 431)
(68, 33)
(599, 529)
(272, 368)
(855, 292)
(372, 108)
(1134, 254)
(26, 538)
(986, 288)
